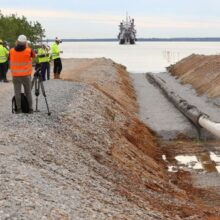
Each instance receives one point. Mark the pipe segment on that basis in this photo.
(198, 118)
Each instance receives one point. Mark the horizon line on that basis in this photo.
(140, 39)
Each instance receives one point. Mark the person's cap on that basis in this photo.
(1, 41)
(22, 39)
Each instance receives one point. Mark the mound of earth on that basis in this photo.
(202, 72)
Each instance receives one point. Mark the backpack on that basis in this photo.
(24, 104)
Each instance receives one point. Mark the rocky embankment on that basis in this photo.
(92, 158)
(201, 71)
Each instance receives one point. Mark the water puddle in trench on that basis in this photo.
(208, 162)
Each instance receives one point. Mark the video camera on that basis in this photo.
(37, 83)
(37, 72)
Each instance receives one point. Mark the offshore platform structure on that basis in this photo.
(127, 34)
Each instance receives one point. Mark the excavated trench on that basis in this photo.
(186, 153)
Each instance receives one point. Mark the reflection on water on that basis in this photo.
(171, 56)
(209, 162)
(216, 158)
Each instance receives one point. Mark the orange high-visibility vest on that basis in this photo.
(20, 62)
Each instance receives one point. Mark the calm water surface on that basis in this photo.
(142, 57)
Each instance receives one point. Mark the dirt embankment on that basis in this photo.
(98, 72)
(202, 72)
(134, 156)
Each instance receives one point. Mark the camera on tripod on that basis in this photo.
(37, 73)
(38, 85)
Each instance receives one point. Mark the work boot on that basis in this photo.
(55, 76)
(18, 111)
(31, 111)
(5, 81)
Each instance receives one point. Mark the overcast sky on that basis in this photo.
(100, 18)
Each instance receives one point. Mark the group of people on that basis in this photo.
(20, 61)
(44, 55)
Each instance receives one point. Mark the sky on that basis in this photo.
(100, 18)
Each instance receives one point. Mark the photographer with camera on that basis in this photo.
(55, 52)
(21, 69)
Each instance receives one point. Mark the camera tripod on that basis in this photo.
(38, 85)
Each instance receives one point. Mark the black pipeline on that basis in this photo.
(198, 118)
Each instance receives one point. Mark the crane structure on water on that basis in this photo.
(127, 32)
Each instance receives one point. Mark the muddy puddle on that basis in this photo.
(205, 161)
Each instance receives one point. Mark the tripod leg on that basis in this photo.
(37, 93)
(44, 94)
(32, 83)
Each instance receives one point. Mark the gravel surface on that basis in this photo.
(29, 182)
(51, 166)
(161, 115)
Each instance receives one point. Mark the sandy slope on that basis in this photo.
(202, 72)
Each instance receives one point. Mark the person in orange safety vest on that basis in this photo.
(21, 69)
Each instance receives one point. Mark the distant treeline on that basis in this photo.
(11, 26)
(208, 39)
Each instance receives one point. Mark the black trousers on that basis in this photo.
(3, 71)
(48, 71)
(57, 66)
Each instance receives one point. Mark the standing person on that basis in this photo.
(6, 45)
(3, 62)
(55, 51)
(21, 69)
(43, 55)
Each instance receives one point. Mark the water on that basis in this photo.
(142, 57)
(208, 161)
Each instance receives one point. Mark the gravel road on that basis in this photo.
(29, 180)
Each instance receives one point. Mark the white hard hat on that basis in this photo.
(43, 45)
(22, 39)
(58, 39)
